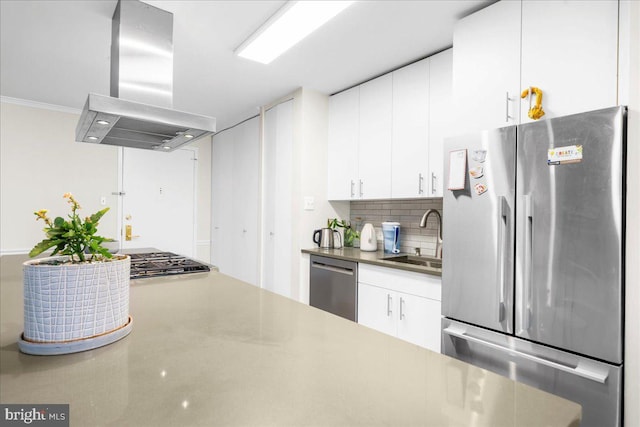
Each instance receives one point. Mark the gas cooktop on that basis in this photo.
(154, 264)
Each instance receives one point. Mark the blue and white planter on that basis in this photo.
(74, 307)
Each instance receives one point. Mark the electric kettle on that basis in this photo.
(368, 240)
(324, 238)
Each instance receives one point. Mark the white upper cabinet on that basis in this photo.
(359, 146)
(344, 118)
(486, 68)
(569, 51)
(394, 127)
(410, 142)
(441, 116)
(374, 142)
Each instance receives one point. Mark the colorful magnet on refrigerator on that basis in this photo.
(476, 172)
(479, 155)
(480, 188)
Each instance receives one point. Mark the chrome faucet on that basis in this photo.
(423, 224)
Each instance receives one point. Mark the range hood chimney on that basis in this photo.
(139, 112)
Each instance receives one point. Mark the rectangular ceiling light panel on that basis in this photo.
(293, 22)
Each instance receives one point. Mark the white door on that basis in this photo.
(374, 141)
(569, 51)
(221, 196)
(419, 321)
(245, 202)
(441, 115)
(277, 201)
(376, 308)
(342, 145)
(486, 68)
(159, 200)
(409, 156)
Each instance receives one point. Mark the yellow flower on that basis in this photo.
(42, 214)
(71, 200)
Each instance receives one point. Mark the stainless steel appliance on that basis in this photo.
(139, 111)
(154, 264)
(333, 286)
(533, 272)
(326, 238)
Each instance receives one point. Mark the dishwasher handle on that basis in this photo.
(335, 269)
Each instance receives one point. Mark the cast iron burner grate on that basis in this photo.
(154, 264)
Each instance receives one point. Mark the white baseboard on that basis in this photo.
(14, 251)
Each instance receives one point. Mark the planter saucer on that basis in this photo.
(75, 346)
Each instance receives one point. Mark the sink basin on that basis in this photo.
(416, 260)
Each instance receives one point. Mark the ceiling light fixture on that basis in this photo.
(102, 122)
(293, 22)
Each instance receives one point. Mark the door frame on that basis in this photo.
(121, 193)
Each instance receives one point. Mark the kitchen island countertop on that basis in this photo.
(207, 349)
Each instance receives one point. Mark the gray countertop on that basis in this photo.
(375, 258)
(207, 350)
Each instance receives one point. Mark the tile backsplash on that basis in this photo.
(408, 213)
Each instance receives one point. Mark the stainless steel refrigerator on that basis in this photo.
(533, 277)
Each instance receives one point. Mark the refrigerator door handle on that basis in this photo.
(582, 369)
(503, 224)
(525, 297)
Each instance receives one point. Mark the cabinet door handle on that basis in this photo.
(361, 188)
(352, 189)
(433, 183)
(420, 179)
(507, 116)
(389, 300)
(401, 313)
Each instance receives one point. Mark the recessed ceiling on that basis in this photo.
(56, 52)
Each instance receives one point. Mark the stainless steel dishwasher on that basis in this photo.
(333, 286)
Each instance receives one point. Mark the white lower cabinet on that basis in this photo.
(400, 303)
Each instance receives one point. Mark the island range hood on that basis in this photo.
(139, 112)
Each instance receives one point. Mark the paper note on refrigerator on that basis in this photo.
(457, 169)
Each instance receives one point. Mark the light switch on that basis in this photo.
(103, 200)
(309, 203)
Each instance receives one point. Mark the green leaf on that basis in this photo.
(41, 247)
(96, 216)
(58, 222)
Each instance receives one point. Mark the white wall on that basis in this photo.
(203, 212)
(40, 161)
(630, 16)
(311, 116)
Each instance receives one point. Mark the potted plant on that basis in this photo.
(80, 299)
(350, 234)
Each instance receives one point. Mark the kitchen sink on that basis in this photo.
(416, 260)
